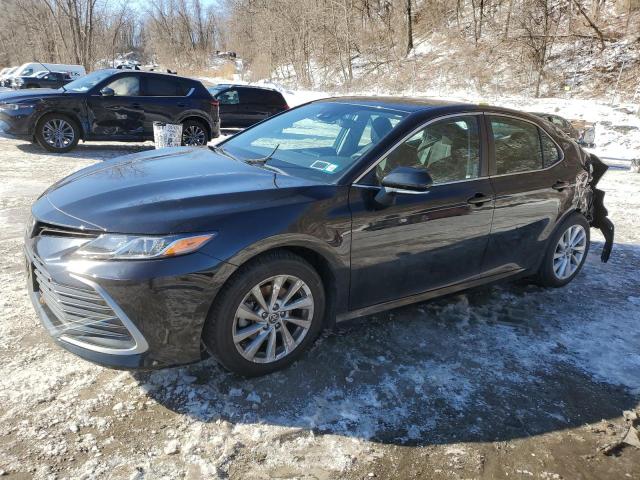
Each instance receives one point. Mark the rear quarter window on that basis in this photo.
(185, 86)
(550, 152)
(276, 98)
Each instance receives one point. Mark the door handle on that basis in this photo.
(478, 199)
(560, 185)
(136, 105)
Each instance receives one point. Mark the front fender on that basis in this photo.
(337, 262)
(289, 240)
(75, 114)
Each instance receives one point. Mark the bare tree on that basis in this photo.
(540, 20)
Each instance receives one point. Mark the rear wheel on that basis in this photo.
(57, 133)
(566, 253)
(194, 134)
(267, 315)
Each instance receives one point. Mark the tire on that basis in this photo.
(194, 134)
(223, 322)
(47, 138)
(573, 231)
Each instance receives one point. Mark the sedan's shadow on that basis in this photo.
(98, 151)
(496, 363)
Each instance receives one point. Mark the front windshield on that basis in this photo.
(87, 82)
(317, 141)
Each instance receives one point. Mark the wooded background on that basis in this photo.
(537, 46)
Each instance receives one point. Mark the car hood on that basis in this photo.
(12, 96)
(173, 190)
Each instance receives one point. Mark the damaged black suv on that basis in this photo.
(335, 209)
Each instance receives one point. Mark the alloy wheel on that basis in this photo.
(58, 133)
(273, 319)
(569, 252)
(194, 136)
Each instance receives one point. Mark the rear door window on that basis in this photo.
(254, 96)
(160, 87)
(517, 145)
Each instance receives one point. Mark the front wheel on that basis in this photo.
(566, 252)
(267, 315)
(57, 133)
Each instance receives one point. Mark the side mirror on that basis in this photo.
(107, 92)
(408, 178)
(405, 179)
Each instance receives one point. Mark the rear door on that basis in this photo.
(230, 115)
(532, 185)
(119, 116)
(255, 105)
(424, 241)
(162, 100)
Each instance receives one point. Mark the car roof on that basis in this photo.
(125, 71)
(420, 104)
(239, 85)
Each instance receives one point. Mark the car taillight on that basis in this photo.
(215, 103)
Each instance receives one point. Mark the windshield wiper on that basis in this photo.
(251, 161)
(222, 151)
(263, 160)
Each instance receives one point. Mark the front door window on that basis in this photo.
(449, 149)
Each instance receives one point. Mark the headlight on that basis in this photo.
(135, 247)
(14, 106)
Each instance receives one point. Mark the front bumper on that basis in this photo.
(16, 124)
(142, 314)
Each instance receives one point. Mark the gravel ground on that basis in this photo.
(509, 381)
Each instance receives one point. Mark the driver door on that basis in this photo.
(428, 240)
(119, 116)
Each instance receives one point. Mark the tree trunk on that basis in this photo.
(506, 28)
(409, 28)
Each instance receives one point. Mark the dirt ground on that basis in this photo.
(508, 381)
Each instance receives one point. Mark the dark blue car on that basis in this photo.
(113, 105)
(335, 209)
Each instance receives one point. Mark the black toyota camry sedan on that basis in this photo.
(335, 209)
(113, 105)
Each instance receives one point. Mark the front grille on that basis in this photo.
(80, 313)
(41, 228)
